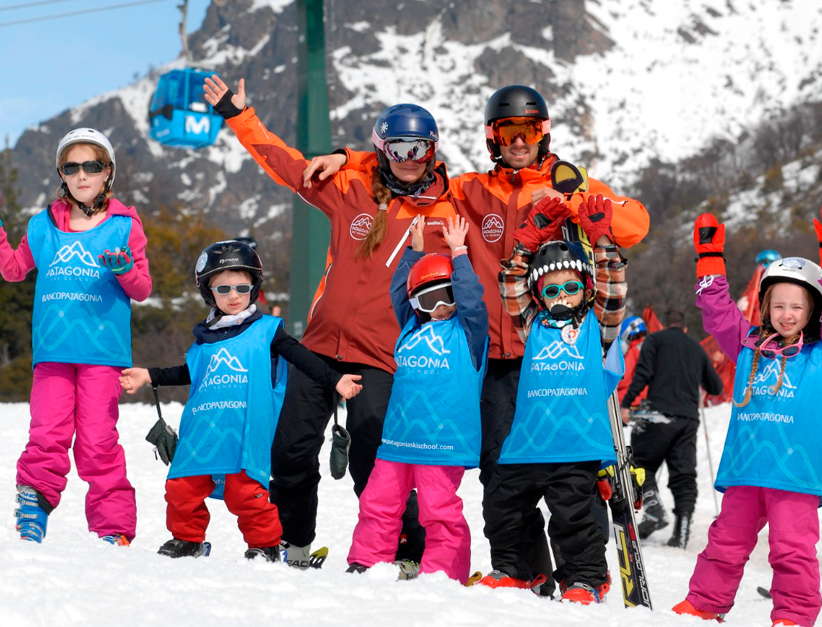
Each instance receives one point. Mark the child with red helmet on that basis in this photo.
(561, 434)
(432, 427)
(237, 372)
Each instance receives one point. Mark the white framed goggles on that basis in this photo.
(410, 149)
(430, 298)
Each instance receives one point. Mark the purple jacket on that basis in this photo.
(720, 315)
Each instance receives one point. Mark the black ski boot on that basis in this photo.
(356, 568)
(655, 517)
(269, 553)
(175, 548)
(682, 529)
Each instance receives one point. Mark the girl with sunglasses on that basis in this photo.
(432, 428)
(237, 374)
(89, 249)
(352, 325)
(566, 311)
(769, 471)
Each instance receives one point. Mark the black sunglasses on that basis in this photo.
(89, 167)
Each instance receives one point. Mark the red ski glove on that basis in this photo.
(542, 223)
(709, 241)
(818, 228)
(595, 216)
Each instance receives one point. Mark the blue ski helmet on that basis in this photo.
(404, 121)
(766, 257)
(632, 327)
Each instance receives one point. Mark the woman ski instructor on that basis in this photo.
(352, 325)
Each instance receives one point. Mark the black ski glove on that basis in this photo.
(340, 443)
(164, 439)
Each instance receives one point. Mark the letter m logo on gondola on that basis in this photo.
(198, 125)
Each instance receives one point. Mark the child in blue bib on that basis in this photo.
(237, 372)
(90, 253)
(566, 312)
(432, 431)
(771, 467)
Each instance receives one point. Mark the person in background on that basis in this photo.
(673, 366)
(631, 335)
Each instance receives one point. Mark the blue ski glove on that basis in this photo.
(119, 261)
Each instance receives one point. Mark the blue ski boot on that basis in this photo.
(31, 517)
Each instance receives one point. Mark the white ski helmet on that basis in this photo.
(799, 271)
(87, 136)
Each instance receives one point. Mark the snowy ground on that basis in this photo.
(75, 579)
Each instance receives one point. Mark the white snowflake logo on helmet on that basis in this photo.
(383, 127)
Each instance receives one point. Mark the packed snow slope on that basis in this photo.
(73, 578)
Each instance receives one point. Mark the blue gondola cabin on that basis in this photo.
(179, 114)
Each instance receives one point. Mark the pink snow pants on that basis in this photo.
(69, 399)
(792, 535)
(382, 503)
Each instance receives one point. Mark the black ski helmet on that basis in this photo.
(228, 255)
(562, 255)
(511, 102)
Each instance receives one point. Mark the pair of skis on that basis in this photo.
(631, 565)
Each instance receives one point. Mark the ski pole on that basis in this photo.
(710, 459)
(402, 241)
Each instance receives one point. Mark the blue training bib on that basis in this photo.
(81, 314)
(775, 441)
(229, 421)
(433, 414)
(562, 399)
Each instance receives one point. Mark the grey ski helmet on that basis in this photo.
(228, 255)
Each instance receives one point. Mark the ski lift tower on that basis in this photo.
(310, 231)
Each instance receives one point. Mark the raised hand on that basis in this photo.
(542, 223)
(133, 379)
(215, 89)
(454, 232)
(595, 215)
(119, 261)
(709, 242)
(323, 167)
(417, 230)
(347, 387)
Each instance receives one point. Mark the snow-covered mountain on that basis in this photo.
(627, 82)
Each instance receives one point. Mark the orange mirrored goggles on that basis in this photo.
(506, 130)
